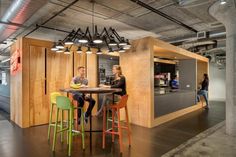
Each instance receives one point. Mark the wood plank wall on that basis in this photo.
(202, 68)
(138, 68)
(16, 107)
(43, 72)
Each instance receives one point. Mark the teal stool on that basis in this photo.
(64, 104)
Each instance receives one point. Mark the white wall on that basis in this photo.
(217, 83)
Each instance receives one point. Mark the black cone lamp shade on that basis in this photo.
(112, 42)
(89, 51)
(69, 42)
(122, 42)
(54, 47)
(59, 50)
(97, 39)
(121, 50)
(99, 51)
(79, 50)
(110, 50)
(67, 51)
(83, 40)
(60, 45)
(126, 47)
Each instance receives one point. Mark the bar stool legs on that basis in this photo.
(55, 131)
(104, 127)
(50, 121)
(112, 131)
(82, 126)
(64, 104)
(119, 132)
(113, 125)
(53, 96)
(51, 124)
(128, 125)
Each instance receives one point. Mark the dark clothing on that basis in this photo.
(205, 84)
(203, 93)
(80, 99)
(174, 84)
(120, 83)
(80, 80)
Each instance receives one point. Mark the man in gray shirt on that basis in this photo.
(79, 97)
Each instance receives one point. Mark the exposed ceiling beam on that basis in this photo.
(164, 15)
(12, 24)
(53, 28)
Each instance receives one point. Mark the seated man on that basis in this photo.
(79, 97)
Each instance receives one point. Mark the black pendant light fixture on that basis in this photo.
(89, 50)
(54, 48)
(108, 38)
(60, 45)
(99, 52)
(67, 51)
(121, 50)
(79, 50)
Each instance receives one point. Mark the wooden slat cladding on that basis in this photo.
(38, 104)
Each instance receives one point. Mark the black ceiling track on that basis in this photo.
(164, 15)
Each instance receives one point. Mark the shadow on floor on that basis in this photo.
(4, 115)
(154, 142)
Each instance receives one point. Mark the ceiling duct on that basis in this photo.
(18, 12)
(191, 3)
(210, 36)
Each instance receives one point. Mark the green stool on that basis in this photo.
(51, 124)
(64, 104)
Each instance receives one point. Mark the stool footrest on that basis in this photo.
(62, 130)
(112, 132)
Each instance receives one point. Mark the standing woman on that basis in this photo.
(118, 82)
(204, 90)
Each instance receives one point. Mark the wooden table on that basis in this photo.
(90, 91)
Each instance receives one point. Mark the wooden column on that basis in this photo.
(92, 66)
(138, 68)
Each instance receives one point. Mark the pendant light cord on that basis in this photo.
(93, 18)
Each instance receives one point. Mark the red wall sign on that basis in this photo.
(15, 62)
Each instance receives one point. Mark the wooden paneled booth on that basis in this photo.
(40, 72)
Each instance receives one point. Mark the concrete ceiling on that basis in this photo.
(129, 19)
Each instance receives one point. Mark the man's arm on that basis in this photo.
(73, 80)
(85, 82)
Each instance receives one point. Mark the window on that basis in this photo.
(4, 78)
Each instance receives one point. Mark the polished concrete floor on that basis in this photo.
(32, 142)
(213, 142)
(4, 115)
